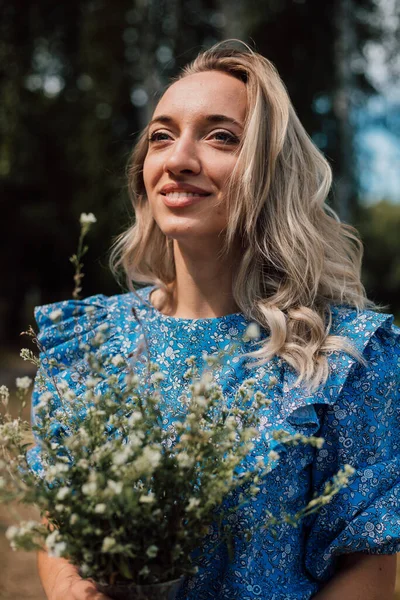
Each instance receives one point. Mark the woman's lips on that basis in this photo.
(181, 199)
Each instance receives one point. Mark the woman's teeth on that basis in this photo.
(176, 195)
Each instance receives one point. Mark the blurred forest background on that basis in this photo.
(79, 79)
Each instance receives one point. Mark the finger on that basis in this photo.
(85, 590)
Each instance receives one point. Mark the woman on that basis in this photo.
(231, 227)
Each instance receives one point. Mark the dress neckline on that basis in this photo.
(210, 320)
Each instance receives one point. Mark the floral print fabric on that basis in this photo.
(356, 412)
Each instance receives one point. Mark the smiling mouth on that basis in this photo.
(177, 195)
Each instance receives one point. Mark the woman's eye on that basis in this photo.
(159, 136)
(225, 137)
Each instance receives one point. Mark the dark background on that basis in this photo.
(78, 80)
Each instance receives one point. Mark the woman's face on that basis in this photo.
(194, 137)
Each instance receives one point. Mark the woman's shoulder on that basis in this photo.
(373, 377)
(63, 322)
(350, 321)
(376, 338)
(365, 329)
(374, 335)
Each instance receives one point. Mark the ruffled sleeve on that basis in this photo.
(361, 428)
(65, 326)
(64, 329)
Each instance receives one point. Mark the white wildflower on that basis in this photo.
(153, 455)
(91, 382)
(118, 360)
(185, 460)
(147, 498)
(90, 488)
(114, 486)
(44, 400)
(18, 536)
(158, 376)
(144, 571)
(108, 544)
(212, 360)
(148, 461)
(55, 315)
(135, 439)
(12, 532)
(134, 418)
(253, 331)
(73, 518)
(348, 469)
(84, 569)
(52, 543)
(152, 551)
(62, 386)
(272, 381)
(197, 388)
(193, 503)
(201, 401)
(260, 461)
(58, 549)
(100, 509)
(4, 395)
(87, 219)
(272, 455)
(55, 471)
(45, 397)
(230, 422)
(98, 339)
(83, 435)
(344, 475)
(27, 354)
(122, 456)
(132, 380)
(62, 493)
(23, 383)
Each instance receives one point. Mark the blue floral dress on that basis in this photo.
(356, 412)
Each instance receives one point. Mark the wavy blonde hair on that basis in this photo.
(297, 258)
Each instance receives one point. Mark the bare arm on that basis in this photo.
(362, 577)
(61, 581)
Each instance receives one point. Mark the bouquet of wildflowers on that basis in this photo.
(128, 500)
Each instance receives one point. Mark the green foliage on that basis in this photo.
(379, 226)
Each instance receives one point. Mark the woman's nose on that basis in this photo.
(183, 157)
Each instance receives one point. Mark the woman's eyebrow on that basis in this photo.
(222, 119)
(166, 120)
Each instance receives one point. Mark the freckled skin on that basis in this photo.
(193, 150)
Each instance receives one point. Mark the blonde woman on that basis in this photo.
(231, 226)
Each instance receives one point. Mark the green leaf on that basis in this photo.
(124, 568)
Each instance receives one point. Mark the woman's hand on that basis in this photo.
(61, 580)
(73, 587)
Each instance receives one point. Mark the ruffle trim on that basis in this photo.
(77, 318)
(298, 405)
